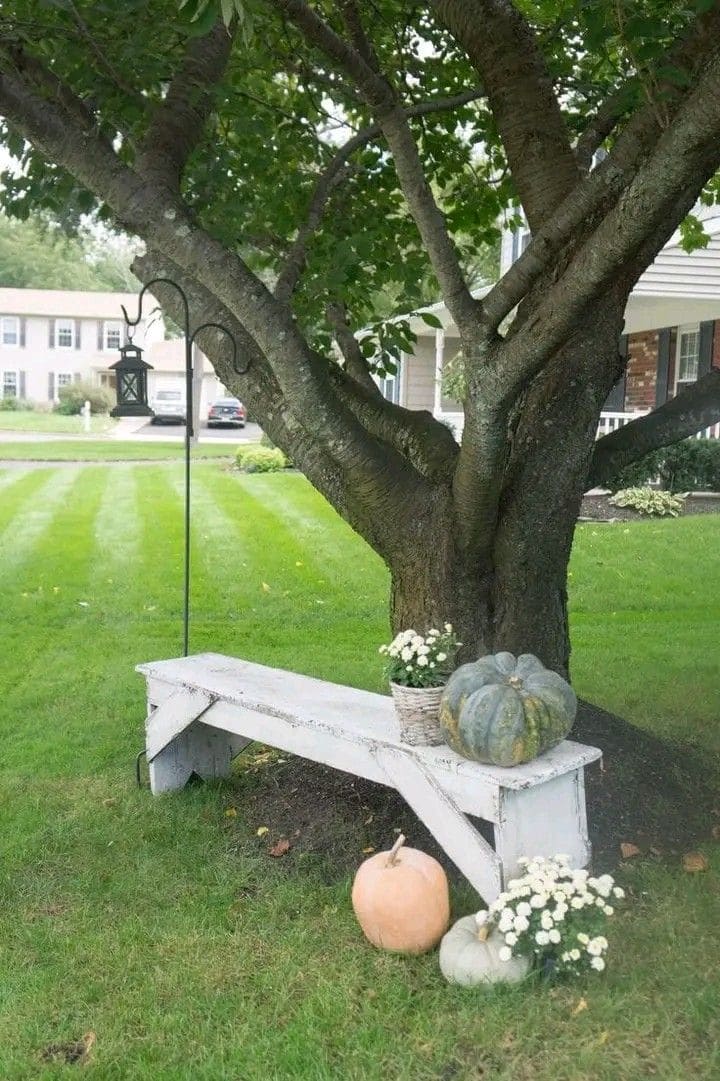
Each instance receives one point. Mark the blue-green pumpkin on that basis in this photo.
(504, 710)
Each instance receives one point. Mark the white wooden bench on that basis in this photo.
(202, 710)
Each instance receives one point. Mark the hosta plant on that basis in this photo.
(650, 501)
(554, 915)
(414, 660)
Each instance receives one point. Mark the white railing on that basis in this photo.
(609, 422)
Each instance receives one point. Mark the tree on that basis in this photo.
(35, 254)
(287, 162)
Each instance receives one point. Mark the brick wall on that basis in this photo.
(641, 371)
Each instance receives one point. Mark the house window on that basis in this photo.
(64, 333)
(64, 379)
(112, 336)
(10, 330)
(10, 385)
(687, 357)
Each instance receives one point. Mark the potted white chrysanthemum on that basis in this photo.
(418, 667)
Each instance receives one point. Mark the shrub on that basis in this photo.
(691, 466)
(649, 501)
(638, 474)
(74, 395)
(260, 459)
(15, 405)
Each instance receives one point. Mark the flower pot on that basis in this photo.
(418, 711)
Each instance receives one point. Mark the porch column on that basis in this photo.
(198, 373)
(439, 357)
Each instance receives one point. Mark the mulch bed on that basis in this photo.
(648, 793)
(596, 508)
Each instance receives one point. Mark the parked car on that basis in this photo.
(169, 405)
(227, 411)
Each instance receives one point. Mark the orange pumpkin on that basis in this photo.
(401, 899)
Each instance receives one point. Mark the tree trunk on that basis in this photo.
(517, 600)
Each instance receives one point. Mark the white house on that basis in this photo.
(52, 337)
(671, 334)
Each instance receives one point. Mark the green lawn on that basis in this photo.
(162, 925)
(30, 420)
(100, 450)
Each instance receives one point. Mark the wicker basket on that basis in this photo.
(418, 710)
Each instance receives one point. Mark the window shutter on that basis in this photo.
(23, 322)
(615, 402)
(663, 367)
(21, 388)
(51, 333)
(707, 331)
(125, 334)
(77, 334)
(100, 336)
(78, 377)
(51, 386)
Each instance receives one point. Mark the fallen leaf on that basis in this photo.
(298, 563)
(602, 1038)
(581, 1005)
(715, 833)
(83, 604)
(629, 850)
(265, 587)
(262, 830)
(369, 820)
(56, 589)
(231, 812)
(279, 848)
(109, 802)
(368, 849)
(693, 862)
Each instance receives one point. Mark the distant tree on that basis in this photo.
(37, 254)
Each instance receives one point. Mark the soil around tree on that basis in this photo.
(647, 792)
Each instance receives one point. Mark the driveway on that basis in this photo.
(251, 433)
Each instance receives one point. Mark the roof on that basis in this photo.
(75, 303)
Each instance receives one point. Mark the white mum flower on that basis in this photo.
(407, 654)
(433, 631)
(521, 923)
(583, 938)
(558, 914)
(448, 628)
(442, 656)
(542, 938)
(600, 902)
(577, 902)
(481, 917)
(423, 651)
(523, 909)
(618, 892)
(597, 963)
(594, 948)
(511, 938)
(554, 936)
(574, 954)
(546, 921)
(422, 662)
(504, 953)
(538, 900)
(602, 942)
(608, 910)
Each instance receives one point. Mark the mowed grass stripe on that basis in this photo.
(287, 603)
(22, 494)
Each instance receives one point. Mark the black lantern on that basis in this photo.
(131, 383)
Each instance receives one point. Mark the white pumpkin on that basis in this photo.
(469, 956)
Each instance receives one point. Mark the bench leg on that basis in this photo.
(470, 852)
(200, 749)
(543, 821)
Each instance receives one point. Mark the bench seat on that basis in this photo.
(203, 709)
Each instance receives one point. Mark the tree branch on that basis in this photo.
(504, 51)
(334, 175)
(179, 120)
(694, 408)
(382, 99)
(355, 363)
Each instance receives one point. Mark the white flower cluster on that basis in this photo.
(418, 661)
(549, 912)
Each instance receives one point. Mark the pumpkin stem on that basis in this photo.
(392, 854)
(483, 932)
(515, 681)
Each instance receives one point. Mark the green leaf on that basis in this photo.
(431, 320)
